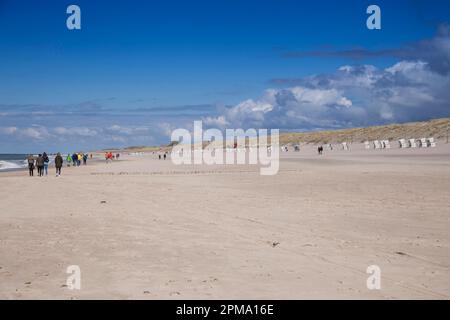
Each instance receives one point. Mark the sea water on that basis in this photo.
(10, 162)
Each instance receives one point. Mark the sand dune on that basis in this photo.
(436, 128)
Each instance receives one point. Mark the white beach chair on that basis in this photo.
(412, 143)
(387, 144)
(432, 142)
(404, 143)
(367, 144)
(424, 143)
(377, 144)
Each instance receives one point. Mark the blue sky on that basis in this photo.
(138, 69)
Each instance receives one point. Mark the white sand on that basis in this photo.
(167, 231)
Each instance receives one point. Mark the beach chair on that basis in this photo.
(404, 143)
(432, 142)
(367, 144)
(424, 142)
(386, 144)
(412, 143)
(377, 144)
(344, 146)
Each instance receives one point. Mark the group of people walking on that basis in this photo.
(164, 155)
(76, 158)
(109, 156)
(42, 161)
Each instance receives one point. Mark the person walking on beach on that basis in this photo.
(46, 162)
(58, 164)
(68, 159)
(80, 157)
(108, 157)
(85, 157)
(30, 160)
(74, 159)
(40, 165)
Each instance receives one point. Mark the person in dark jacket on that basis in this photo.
(46, 162)
(30, 161)
(40, 165)
(58, 164)
(75, 159)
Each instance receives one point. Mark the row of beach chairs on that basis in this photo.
(403, 143)
(417, 143)
(378, 144)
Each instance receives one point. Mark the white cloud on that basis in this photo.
(352, 96)
(78, 131)
(219, 122)
(166, 128)
(8, 130)
(35, 133)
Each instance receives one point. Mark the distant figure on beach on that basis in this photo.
(85, 157)
(108, 157)
(40, 165)
(80, 157)
(68, 159)
(30, 161)
(320, 149)
(46, 161)
(74, 159)
(91, 155)
(165, 156)
(58, 164)
(117, 156)
(159, 155)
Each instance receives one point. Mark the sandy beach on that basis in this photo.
(143, 228)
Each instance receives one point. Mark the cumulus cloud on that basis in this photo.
(219, 122)
(351, 96)
(166, 128)
(34, 133)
